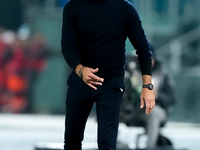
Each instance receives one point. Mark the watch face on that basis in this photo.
(150, 86)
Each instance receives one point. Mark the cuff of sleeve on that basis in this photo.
(146, 67)
(73, 63)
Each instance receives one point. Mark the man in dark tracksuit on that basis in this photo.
(93, 44)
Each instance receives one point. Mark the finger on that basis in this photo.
(92, 86)
(151, 105)
(96, 78)
(147, 110)
(150, 110)
(95, 83)
(147, 107)
(147, 103)
(154, 103)
(94, 70)
(142, 103)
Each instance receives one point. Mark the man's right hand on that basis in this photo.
(89, 77)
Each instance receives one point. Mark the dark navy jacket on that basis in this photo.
(94, 34)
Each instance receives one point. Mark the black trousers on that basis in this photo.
(80, 99)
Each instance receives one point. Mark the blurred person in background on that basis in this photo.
(22, 58)
(11, 19)
(165, 99)
(16, 81)
(36, 55)
(93, 44)
(5, 53)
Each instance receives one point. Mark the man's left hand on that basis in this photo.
(147, 97)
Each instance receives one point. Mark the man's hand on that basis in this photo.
(89, 77)
(147, 97)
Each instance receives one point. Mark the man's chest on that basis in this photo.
(94, 21)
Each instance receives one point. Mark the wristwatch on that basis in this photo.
(149, 86)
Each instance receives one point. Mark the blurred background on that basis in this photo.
(33, 73)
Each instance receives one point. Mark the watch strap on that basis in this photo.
(145, 86)
(149, 86)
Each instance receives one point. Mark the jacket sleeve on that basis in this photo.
(68, 40)
(138, 39)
